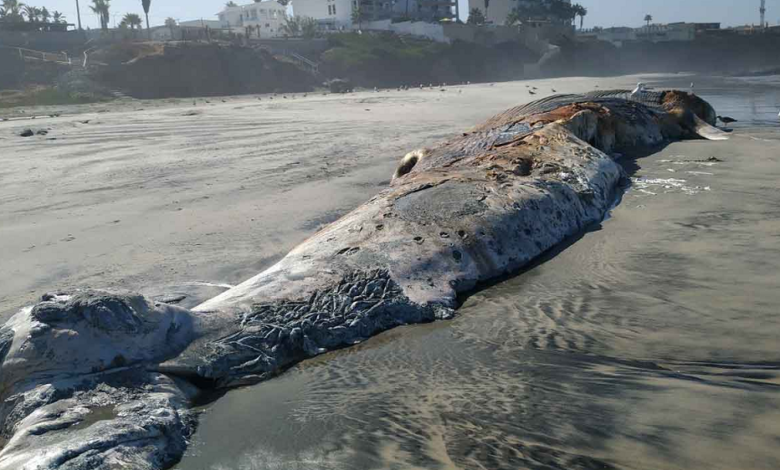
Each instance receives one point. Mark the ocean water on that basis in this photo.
(650, 341)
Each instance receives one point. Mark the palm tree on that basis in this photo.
(648, 19)
(580, 11)
(171, 24)
(476, 17)
(30, 12)
(58, 17)
(230, 4)
(132, 20)
(358, 15)
(11, 6)
(45, 15)
(101, 8)
(146, 4)
(487, 5)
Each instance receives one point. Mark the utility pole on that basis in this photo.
(763, 13)
(78, 13)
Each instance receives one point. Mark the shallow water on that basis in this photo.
(648, 342)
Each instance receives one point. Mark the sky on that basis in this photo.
(600, 12)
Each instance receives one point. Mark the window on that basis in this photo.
(334, 9)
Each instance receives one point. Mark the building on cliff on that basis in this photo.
(260, 19)
(651, 33)
(496, 11)
(330, 14)
(341, 14)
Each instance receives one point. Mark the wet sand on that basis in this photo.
(648, 342)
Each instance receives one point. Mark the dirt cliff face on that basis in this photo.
(184, 70)
(12, 71)
(387, 60)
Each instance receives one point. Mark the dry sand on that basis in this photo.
(158, 195)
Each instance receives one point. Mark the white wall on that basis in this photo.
(337, 12)
(266, 18)
(214, 24)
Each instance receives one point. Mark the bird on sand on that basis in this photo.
(553, 90)
(531, 92)
(726, 119)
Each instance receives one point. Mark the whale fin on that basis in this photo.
(707, 131)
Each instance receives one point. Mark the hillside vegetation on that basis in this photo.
(390, 60)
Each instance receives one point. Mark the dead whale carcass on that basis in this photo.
(96, 380)
(472, 209)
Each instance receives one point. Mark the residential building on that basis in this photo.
(260, 19)
(426, 10)
(651, 33)
(496, 11)
(667, 32)
(338, 14)
(330, 14)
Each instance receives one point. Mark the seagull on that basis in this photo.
(531, 92)
(553, 90)
(639, 90)
(727, 120)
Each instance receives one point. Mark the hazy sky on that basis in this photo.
(601, 12)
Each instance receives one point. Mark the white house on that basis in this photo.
(330, 14)
(259, 19)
